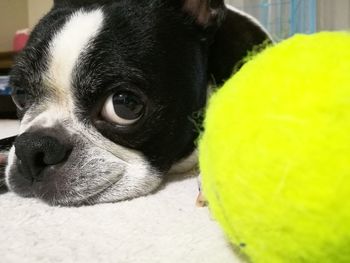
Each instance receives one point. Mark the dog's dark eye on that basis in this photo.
(19, 97)
(123, 108)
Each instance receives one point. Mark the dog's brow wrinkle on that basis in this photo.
(93, 138)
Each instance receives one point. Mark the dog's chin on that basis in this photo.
(53, 193)
(86, 185)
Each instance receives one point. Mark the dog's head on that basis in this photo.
(108, 91)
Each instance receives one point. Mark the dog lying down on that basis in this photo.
(108, 93)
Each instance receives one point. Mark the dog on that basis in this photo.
(110, 94)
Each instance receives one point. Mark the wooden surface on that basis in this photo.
(6, 62)
(7, 108)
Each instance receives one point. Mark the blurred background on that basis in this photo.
(282, 18)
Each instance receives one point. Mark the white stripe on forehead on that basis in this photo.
(67, 45)
(64, 51)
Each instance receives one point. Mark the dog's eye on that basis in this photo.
(19, 97)
(123, 108)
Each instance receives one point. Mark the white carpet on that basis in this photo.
(163, 227)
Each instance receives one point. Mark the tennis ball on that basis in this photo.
(275, 153)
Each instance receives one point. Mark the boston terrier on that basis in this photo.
(110, 94)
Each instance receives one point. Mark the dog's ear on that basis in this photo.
(238, 34)
(205, 12)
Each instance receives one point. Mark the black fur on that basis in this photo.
(235, 37)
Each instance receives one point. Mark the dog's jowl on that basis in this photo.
(107, 92)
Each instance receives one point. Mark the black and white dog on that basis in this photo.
(107, 92)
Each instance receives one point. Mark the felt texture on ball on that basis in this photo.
(275, 152)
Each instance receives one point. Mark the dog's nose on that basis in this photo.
(37, 151)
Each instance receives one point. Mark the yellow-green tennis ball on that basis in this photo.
(275, 153)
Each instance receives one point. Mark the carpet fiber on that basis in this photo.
(163, 227)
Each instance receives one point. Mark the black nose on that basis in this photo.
(37, 151)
